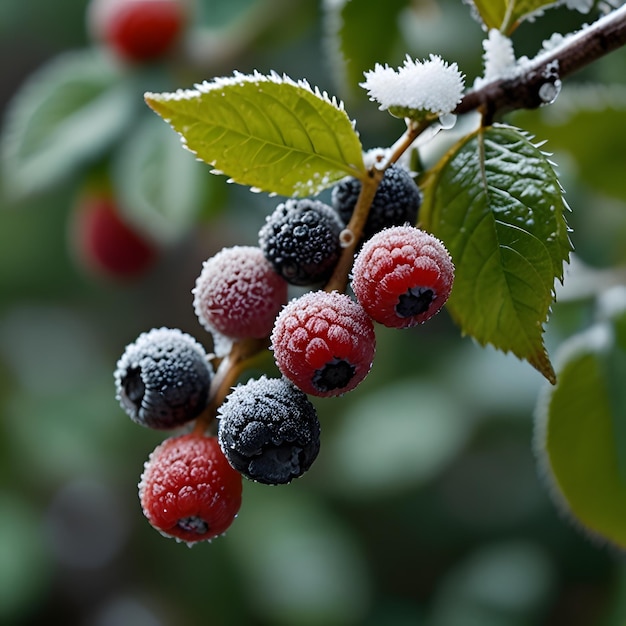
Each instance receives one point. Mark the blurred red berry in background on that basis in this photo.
(105, 244)
(137, 30)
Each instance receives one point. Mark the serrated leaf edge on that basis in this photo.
(540, 360)
(239, 78)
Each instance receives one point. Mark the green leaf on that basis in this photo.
(271, 133)
(297, 528)
(160, 186)
(505, 15)
(496, 202)
(66, 113)
(499, 584)
(412, 449)
(582, 122)
(353, 54)
(580, 433)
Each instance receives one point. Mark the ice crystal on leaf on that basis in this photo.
(431, 86)
(583, 6)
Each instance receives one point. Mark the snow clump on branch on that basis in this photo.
(431, 86)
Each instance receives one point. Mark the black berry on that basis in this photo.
(162, 380)
(301, 240)
(269, 430)
(397, 200)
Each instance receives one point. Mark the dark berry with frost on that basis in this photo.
(188, 490)
(269, 430)
(324, 343)
(162, 379)
(397, 200)
(301, 241)
(402, 276)
(238, 294)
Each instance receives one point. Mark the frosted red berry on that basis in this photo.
(402, 276)
(188, 490)
(137, 30)
(238, 294)
(107, 245)
(324, 342)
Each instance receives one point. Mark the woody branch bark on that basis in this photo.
(527, 89)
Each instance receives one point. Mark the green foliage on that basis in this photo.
(496, 202)
(66, 114)
(575, 126)
(347, 21)
(411, 449)
(505, 15)
(581, 425)
(161, 187)
(267, 132)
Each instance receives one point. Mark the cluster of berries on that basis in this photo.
(323, 343)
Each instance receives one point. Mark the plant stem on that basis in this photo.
(524, 90)
(339, 280)
(225, 377)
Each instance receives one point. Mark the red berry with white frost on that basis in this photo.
(188, 490)
(137, 30)
(238, 294)
(402, 276)
(324, 342)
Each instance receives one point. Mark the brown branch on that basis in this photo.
(537, 82)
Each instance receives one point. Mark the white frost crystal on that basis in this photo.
(499, 56)
(431, 85)
(584, 6)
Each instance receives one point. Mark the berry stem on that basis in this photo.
(226, 375)
(339, 280)
(413, 131)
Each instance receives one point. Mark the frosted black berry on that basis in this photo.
(269, 430)
(397, 200)
(162, 380)
(301, 241)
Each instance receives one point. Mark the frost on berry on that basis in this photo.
(238, 294)
(324, 343)
(397, 200)
(269, 430)
(402, 276)
(162, 379)
(188, 490)
(301, 240)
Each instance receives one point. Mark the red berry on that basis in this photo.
(105, 243)
(137, 30)
(402, 276)
(188, 490)
(238, 294)
(324, 343)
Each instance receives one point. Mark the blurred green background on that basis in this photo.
(425, 506)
